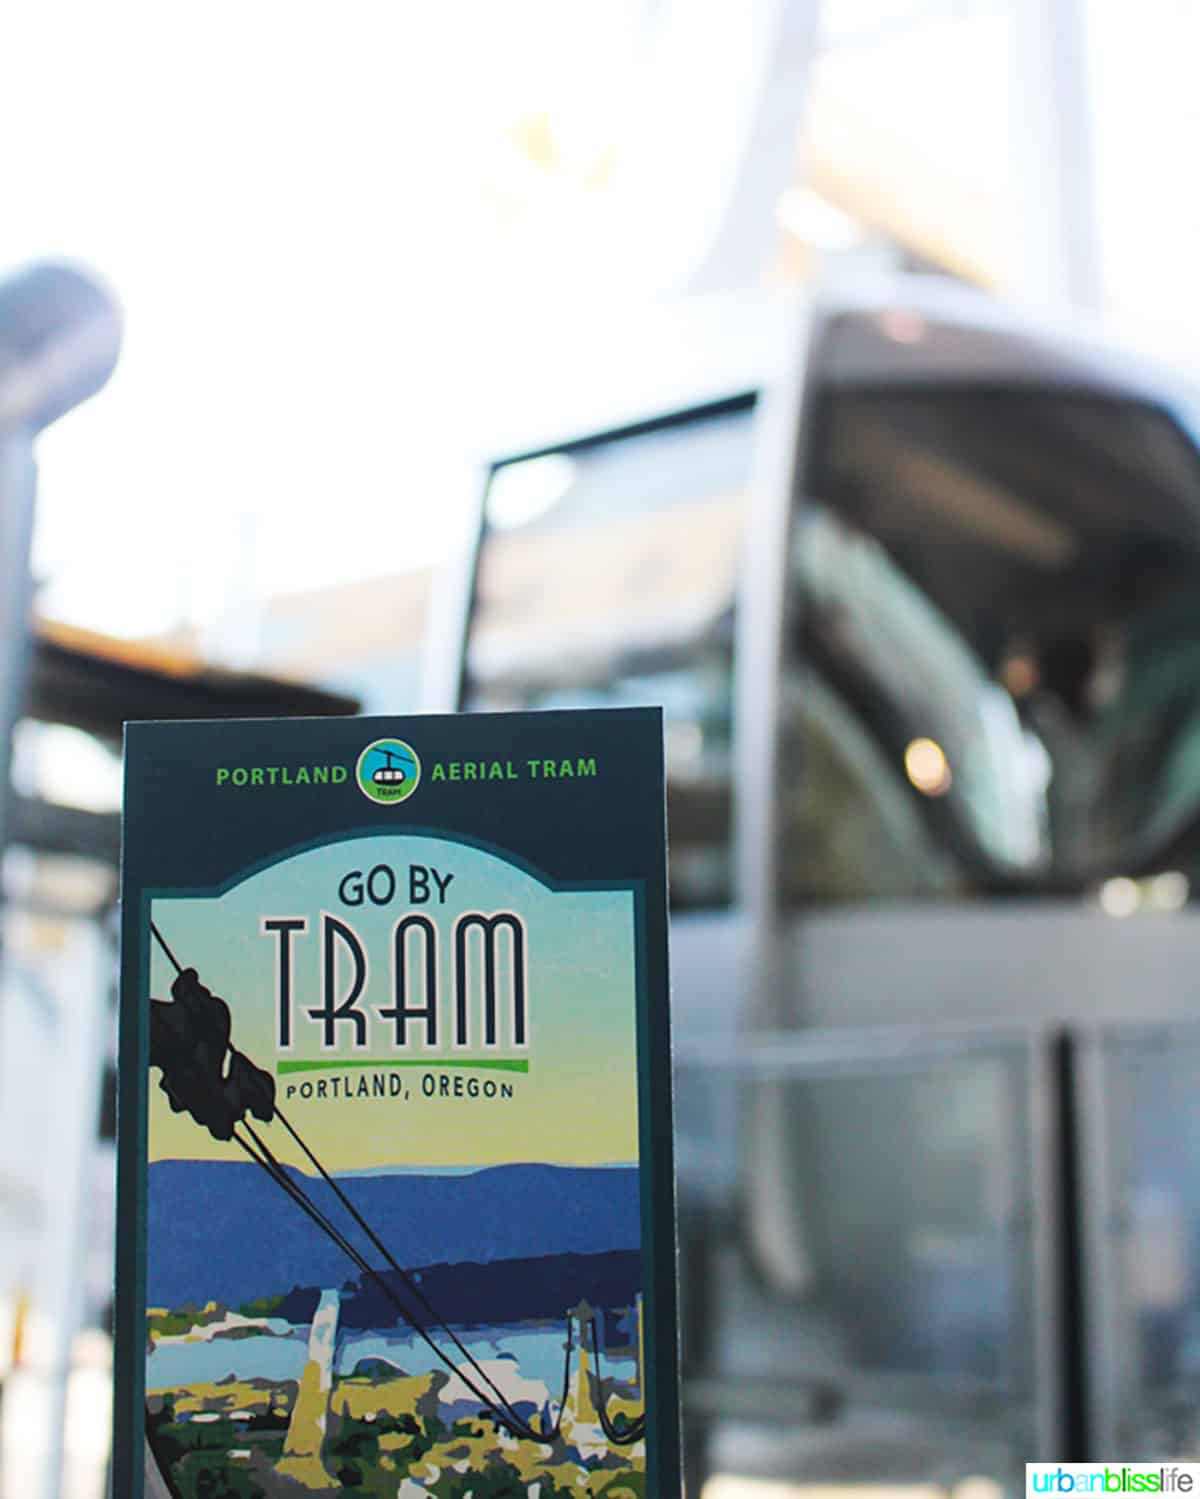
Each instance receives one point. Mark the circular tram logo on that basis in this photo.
(388, 770)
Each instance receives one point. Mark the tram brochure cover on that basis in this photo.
(395, 1183)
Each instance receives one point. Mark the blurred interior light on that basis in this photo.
(521, 492)
(927, 767)
(901, 325)
(1019, 673)
(815, 221)
(1120, 896)
(1168, 891)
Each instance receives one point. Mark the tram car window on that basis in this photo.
(1012, 579)
(607, 577)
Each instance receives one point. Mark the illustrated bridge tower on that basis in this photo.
(586, 1394)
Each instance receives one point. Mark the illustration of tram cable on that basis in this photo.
(261, 1153)
(634, 1430)
(206, 1076)
(195, 1080)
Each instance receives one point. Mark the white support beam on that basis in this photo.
(1054, 253)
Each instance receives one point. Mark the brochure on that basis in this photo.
(396, 1208)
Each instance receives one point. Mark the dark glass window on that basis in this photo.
(607, 578)
(997, 595)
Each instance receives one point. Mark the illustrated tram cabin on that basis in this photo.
(390, 774)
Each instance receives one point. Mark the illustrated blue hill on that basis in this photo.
(222, 1231)
(505, 1291)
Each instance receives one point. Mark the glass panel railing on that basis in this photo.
(1141, 1142)
(861, 1258)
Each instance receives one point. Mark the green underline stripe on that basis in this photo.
(485, 1064)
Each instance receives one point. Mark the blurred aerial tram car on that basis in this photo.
(924, 618)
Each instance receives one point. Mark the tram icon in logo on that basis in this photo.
(388, 771)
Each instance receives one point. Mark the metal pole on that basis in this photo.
(59, 338)
(60, 334)
(18, 486)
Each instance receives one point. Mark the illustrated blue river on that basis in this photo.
(537, 1351)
